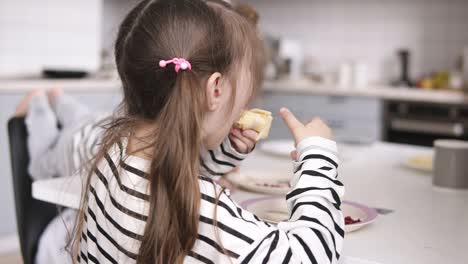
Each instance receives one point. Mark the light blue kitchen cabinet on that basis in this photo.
(98, 100)
(353, 119)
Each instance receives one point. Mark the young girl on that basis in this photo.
(188, 69)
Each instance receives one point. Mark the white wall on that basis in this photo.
(335, 30)
(34, 34)
(114, 12)
(30, 31)
(49, 33)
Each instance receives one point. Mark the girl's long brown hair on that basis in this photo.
(213, 38)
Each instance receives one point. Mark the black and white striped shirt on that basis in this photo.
(81, 143)
(118, 208)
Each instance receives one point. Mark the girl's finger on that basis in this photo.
(250, 142)
(236, 132)
(250, 134)
(242, 139)
(294, 125)
(235, 129)
(290, 120)
(293, 155)
(248, 138)
(226, 184)
(247, 141)
(240, 146)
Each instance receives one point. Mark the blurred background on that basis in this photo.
(375, 70)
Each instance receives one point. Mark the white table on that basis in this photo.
(428, 225)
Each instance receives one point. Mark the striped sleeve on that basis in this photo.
(316, 224)
(86, 141)
(314, 231)
(219, 161)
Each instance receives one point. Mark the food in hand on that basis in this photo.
(256, 119)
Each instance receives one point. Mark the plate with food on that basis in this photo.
(423, 162)
(259, 181)
(273, 209)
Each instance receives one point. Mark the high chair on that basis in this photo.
(32, 216)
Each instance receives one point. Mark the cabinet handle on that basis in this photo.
(452, 129)
(337, 99)
(335, 124)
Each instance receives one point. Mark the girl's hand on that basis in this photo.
(293, 155)
(226, 184)
(315, 128)
(243, 141)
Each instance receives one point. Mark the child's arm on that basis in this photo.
(223, 159)
(85, 141)
(316, 221)
(314, 231)
(235, 148)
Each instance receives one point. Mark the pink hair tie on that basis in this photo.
(180, 64)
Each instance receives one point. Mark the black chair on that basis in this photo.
(32, 216)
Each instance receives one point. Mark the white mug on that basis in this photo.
(451, 164)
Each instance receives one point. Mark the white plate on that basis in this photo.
(260, 181)
(273, 209)
(283, 148)
(279, 148)
(420, 162)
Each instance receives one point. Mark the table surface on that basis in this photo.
(428, 225)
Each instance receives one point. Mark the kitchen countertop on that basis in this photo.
(372, 91)
(427, 225)
(15, 85)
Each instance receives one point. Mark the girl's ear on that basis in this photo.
(214, 91)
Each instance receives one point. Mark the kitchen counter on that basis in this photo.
(284, 86)
(373, 91)
(15, 85)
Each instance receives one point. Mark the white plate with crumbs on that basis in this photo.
(278, 148)
(273, 209)
(282, 149)
(259, 181)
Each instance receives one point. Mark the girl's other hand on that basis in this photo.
(226, 184)
(243, 141)
(293, 155)
(315, 128)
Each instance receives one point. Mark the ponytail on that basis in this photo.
(172, 228)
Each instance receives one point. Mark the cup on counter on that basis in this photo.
(345, 75)
(451, 164)
(352, 75)
(360, 75)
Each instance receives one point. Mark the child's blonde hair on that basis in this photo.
(213, 38)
